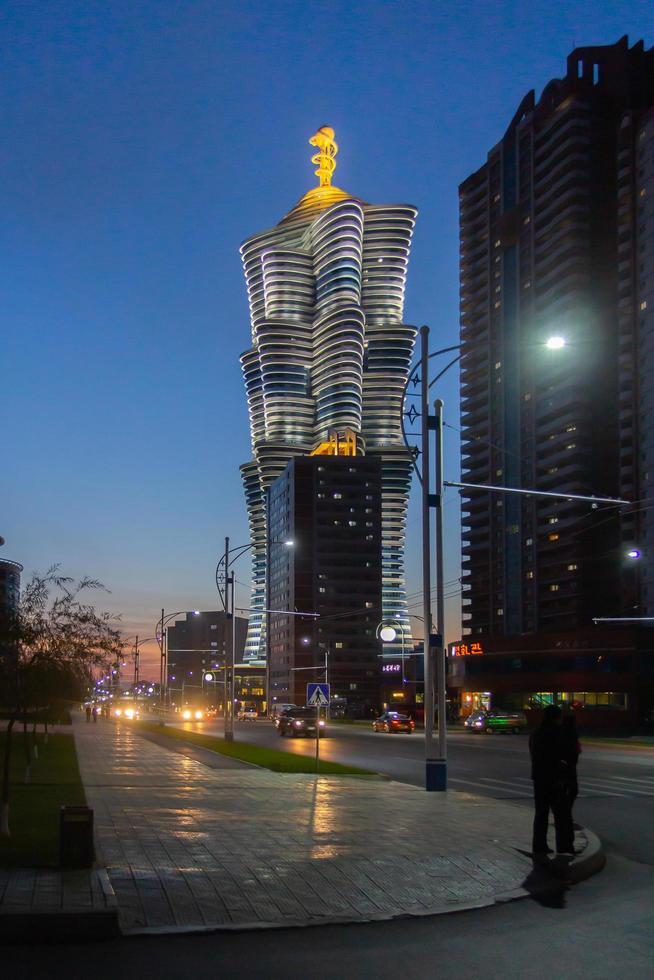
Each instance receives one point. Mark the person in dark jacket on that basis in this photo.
(571, 753)
(549, 772)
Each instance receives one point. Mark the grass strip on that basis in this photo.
(34, 806)
(258, 755)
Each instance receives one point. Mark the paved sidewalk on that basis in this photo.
(187, 846)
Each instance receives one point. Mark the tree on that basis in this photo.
(49, 646)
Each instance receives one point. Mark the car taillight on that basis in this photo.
(395, 723)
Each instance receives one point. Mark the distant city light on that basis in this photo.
(555, 343)
(633, 553)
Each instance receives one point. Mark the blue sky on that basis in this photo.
(142, 142)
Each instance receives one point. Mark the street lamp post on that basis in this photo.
(436, 768)
(225, 586)
(160, 636)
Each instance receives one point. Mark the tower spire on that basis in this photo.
(325, 158)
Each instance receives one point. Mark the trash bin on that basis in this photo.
(76, 837)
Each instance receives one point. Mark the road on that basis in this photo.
(599, 929)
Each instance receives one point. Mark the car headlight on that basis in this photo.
(199, 716)
(322, 724)
(186, 715)
(129, 712)
(298, 724)
(118, 712)
(478, 724)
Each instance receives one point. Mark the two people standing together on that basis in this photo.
(554, 748)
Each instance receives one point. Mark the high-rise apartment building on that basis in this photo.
(329, 353)
(330, 506)
(557, 333)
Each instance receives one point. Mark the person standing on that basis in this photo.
(88, 713)
(95, 712)
(549, 768)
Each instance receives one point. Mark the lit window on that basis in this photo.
(528, 397)
(554, 588)
(553, 469)
(498, 472)
(496, 198)
(527, 285)
(322, 589)
(571, 445)
(369, 605)
(337, 523)
(642, 192)
(499, 612)
(352, 523)
(530, 574)
(527, 220)
(338, 645)
(552, 537)
(571, 428)
(497, 305)
(370, 537)
(643, 305)
(573, 567)
(553, 520)
(498, 365)
(337, 496)
(498, 243)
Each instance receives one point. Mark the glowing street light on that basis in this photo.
(633, 553)
(555, 343)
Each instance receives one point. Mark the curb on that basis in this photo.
(78, 925)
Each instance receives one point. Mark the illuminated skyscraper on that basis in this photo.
(329, 359)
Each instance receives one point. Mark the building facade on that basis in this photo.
(330, 506)
(556, 330)
(197, 648)
(329, 353)
(10, 572)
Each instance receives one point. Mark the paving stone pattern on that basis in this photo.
(188, 846)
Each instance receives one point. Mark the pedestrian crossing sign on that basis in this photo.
(318, 695)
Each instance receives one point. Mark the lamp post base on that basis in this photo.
(229, 736)
(436, 775)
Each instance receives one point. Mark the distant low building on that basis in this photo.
(197, 648)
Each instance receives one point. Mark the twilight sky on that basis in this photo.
(143, 142)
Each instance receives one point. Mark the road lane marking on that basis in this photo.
(472, 782)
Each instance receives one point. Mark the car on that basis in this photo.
(193, 714)
(494, 721)
(393, 722)
(127, 711)
(247, 714)
(277, 711)
(299, 721)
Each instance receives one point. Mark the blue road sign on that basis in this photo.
(318, 695)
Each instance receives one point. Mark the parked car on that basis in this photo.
(393, 721)
(491, 722)
(246, 714)
(299, 721)
(277, 710)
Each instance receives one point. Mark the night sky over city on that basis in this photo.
(142, 143)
